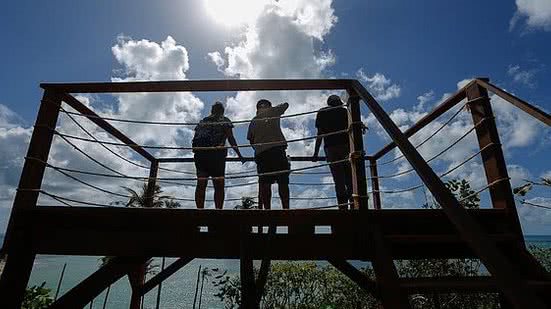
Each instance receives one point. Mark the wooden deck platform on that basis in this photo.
(410, 234)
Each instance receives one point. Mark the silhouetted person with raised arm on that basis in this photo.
(332, 119)
(212, 131)
(270, 158)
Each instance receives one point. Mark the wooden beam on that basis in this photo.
(164, 274)
(375, 184)
(438, 111)
(136, 278)
(95, 118)
(357, 276)
(357, 163)
(201, 85)
(157, 232)
(151, 184)
(392, 221)
(246, 270)
(506, 274)
(385, 271)
(92, 286)
(493, 160)
(17, 245)
(523, 105)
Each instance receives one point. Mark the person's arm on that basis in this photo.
(280, 108)
(250, 136)
(317, 146)
(233, 143)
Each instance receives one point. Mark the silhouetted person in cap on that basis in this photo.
(332, 119)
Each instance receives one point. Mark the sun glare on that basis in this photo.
(234, 12)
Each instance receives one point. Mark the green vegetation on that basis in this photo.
(316, 285)
(37, 297)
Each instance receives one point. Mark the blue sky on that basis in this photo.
(404, 50)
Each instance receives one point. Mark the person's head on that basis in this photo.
(334, 100)
(217, 109)
(263, 103)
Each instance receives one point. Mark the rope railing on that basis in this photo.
(64, 171)
(449, 171)
(65, 200)
(445, 124)
(164, 123)
(113, 152)
(438, 154)
(173, 147)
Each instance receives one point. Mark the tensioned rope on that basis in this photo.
(64, 200)
(438, 154)
(383, 176)
(63, 171)
(445, 124)
(115, 153)
(190, 178)
(449, 171)
(197, 123)
(173, 147)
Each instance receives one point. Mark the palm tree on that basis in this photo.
(140, 198)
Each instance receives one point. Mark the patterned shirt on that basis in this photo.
(211, 132)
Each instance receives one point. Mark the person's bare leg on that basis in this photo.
(284, 195)
(266, 194)
(200, 192)
(218, 193)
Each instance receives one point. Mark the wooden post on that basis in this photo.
(20, 257)
(248, 293)
(359, 184)
(375, 184)
(392, 296)
(137, 277)
(492, 157)
(151, 184)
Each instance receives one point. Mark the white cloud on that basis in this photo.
(280, 44)
(147, 60)
(536, 13)
(8, 118)
(423, 99)
(217, 59)
(522, 76)
(379, 85)
(139, 60)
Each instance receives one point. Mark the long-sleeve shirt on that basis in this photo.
(262, 130)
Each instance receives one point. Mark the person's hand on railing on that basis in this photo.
(315, 157)
(364, 128)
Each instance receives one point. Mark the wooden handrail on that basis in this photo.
(523, 105)
(201, 85)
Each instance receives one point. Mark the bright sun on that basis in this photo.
(234, 12)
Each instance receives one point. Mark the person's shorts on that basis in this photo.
(273, 160)
(210, 163)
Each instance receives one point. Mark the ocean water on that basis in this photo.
(177, 292)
